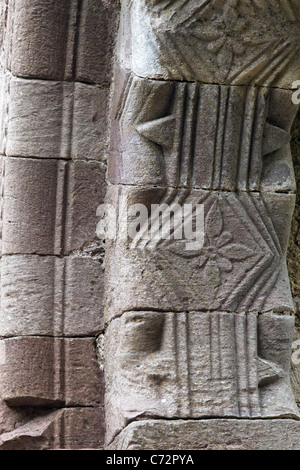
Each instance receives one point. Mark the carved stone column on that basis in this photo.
(201, 114)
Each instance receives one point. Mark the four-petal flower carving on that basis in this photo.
(219, 248)
(229, 35)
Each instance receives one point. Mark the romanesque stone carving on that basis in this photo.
(201, 114)
(212, 41)
(193, 365)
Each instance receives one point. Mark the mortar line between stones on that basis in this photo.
(197, 188)
(161, 79)
(107, 85)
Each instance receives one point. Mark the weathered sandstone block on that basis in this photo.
(50, 205)
(52, 296)
(201, 115)
(55, 70)
(193, 365)
(218, 41)
(50, 119)
(210, 434)
(201, 136)
(241, 266)
(59, 40)
(39, 371)
(70, 428)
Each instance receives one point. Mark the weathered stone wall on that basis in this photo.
(56, 68)
(55, 74)
(294, 251)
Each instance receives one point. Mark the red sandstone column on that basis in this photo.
(55, 77)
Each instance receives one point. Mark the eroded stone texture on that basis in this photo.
(32, 188)
(201, 136)
(241, 266)
(294, 262)
(70, 428)
(11, 418)
(50, 205)
(50, 119)
(51, 296)
(39, 371)
(96, 36)
(201, 114)
(35, 435)
(90, 122)
(86, 189)
(212, 434)
(60, 40)
(53, 140)
(192, 365)
(217, 41)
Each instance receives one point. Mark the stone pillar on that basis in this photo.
(55, 77)
(198, 341)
